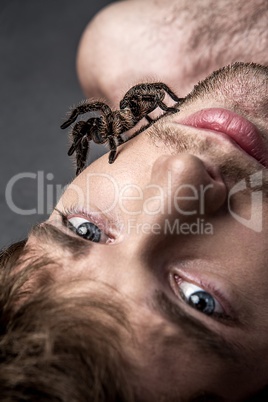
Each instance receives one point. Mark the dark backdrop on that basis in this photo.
(38, 84)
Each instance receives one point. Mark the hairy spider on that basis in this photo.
(108, 126)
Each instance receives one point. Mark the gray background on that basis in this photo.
(38, 84)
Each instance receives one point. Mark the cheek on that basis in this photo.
(244, 257)
(175, 366)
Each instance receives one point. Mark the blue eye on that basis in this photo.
(85, 229)
(199, 299)
(81, 225)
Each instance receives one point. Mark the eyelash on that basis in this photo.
(73, 212)
(176, 280)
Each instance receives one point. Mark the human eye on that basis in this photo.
(199, 298)
(82, 226)
(85, 229)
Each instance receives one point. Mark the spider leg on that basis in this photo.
(81, 137)
(81, 155)
(113, 148)
(167, 108)
(120, 140)
(149, 119)
(75, 113)
(84, 108)
(143, 128)
(164, 107)
(169, 92)
(79, 131)
(74, 146)
(99, 128)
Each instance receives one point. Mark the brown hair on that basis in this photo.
(58, 347)
(55, 347)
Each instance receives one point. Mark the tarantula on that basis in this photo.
(108, 126)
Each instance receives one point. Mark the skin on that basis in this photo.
(173, 41)
(136, 262)
(178, 45)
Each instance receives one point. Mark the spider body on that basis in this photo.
(143, 99)
(108, 126)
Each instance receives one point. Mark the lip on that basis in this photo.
(240, 130)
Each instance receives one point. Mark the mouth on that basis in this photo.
(237, 128)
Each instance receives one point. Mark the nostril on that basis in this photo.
(214, 173)
(212, 170)
(217, 195)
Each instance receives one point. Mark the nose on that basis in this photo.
(183, 186)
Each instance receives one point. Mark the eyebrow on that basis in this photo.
(51, 234)
(206, 338)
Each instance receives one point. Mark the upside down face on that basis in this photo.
(178, 226)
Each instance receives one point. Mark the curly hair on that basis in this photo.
(55, 346)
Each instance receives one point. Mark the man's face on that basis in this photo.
(178, 226)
